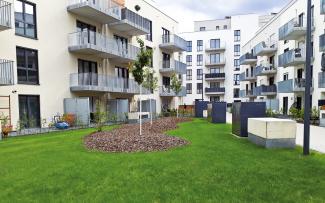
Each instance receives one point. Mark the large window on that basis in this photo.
(237, 50)
(214, 43)
(189, 46)
(236, 93)
(151, 59)
(214, 58)
(29, 110)
(188, 74)
(236, 79)
(237, 35)
(199, 74)
(27, 66)
(200, 45)
(149, 36)
(237, 64)
(189, 60)
(202, 28)
(25, 19)
(199, 60)
(199, 88)
(189, 88)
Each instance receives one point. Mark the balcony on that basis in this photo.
(173, 66)
(294, 57)
(215, 61)
(321, 80)
(247, 59)
(103, 11)
(292, 85)
(173, 43)
(265, 69)
(322, 43)
(5, 15)
(215, 47)
(322, 7)
(6, 72)
(92, 43)
(293, 30)
(264, 90)
(92, 82)
(215, 76)
(248, 93)
(246, 76)
(265, 49)
(131, 23)
(215, 90)
(166, 91)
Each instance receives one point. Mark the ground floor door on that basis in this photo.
(285, 105)
(299, 103)
(29, 111)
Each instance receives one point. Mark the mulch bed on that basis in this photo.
(127, 138)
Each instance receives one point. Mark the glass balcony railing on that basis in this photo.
(322, 43)
(265, 49)
(294, 29)
(292, 85)
(89, 42)
(215, 76)
(172, 66)
(247, 59)
(215, 90)
(173, 42)
(6, 72)
(215, 61)
(5, 15)
(103, 11)
(247, 76)
(265, 90)
(292, 57)
(265, 69)
(215, 46)
(166, 91)
(103, 83)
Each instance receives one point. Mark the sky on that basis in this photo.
(187, 11)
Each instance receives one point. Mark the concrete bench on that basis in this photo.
(272, 132)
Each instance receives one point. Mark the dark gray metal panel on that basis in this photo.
(78, 107)
(200, 106)
(219, 110)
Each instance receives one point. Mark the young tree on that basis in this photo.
(176, 86)
(137, 69)
(100, 116)
(151, 83)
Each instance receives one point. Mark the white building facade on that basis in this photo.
(274, 60)
(212, 57)
(81, 49)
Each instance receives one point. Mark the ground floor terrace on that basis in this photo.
(214, 166)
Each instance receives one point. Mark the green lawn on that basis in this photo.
(216, 167)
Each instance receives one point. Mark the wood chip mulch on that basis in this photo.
(127, 138)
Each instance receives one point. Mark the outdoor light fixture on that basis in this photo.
(137, 8)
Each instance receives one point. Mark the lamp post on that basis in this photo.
(306, 146)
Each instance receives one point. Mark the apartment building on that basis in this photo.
(53, 53)
(274, 60)
(212, 57)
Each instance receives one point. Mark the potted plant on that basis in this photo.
(6, 128)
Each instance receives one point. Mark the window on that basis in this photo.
(166, 60)
(214, 43)
(29, 110)
(200, 45)
(149, 36)
(189, 46)
(188, 74)
(225, 27)
(214, 84)
(199, 74)
(189, 88)
(151, 59)
(215, 70)
(217, 28)
(236, 64)
(215, 99)
(87, 72)
(25, 19)
(199, 60)
(237, 50)
(285, 76)
(202, 28)
(189, 60)
(237, 36)
(214, 58)
(236, 93)
(27, 66)
(199, 88)
(165, 36)
(236, 79)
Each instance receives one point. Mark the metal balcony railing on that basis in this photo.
(104, 83)
(321, 80)
(90, 42)
(173, 42)
(212, 90)
(170, 66)
(104, 11)
(5, 15)
(265, 69)
(292, 57)
(322, 43)
(210, 76)
(294, 29)
(6, 72)
(265, 48)
(292, 85)
(166, 91)
(136, 20)
(247, 59)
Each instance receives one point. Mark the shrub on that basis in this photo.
(70, 119)
(100, 116)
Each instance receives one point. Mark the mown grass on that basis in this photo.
(216, 167)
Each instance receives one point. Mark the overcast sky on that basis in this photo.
(187, 11)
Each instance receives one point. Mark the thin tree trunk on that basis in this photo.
(176, 106)
(140, 110)
(150, 112)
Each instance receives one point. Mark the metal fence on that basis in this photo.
(5, 14)
(292, 56)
